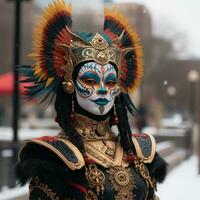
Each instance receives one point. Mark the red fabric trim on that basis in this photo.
(130, 157)
(89, 160)
(47, 138)
(139, 135)
(79, 187)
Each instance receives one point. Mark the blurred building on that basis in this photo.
(159, 57)
(7, 19)
(7, 11)
(175, 73)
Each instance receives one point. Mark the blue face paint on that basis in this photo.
(95, 87)
(91, 75)
(101, 101)
(102, 90)
(83, 91)
(111, 77)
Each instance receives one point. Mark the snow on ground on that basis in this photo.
(182, 183)
(6, 133)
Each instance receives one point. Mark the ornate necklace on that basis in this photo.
(92, 130)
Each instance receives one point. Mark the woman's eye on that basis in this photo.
(89, 81)
(111, 83)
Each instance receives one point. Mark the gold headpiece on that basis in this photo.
(57, 50)
(79, 51)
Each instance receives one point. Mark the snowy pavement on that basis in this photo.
(182, 183)
(6, 133)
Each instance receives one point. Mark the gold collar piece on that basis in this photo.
(91, 130)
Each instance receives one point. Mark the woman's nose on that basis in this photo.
(102, 90)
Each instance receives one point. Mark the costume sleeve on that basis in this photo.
(47, 179)
(157, 170)
(145, 147)
(38, 189)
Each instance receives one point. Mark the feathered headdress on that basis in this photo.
(57, 50)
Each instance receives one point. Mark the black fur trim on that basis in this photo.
(51, 173)
(158, 168)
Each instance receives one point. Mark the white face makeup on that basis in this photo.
(96, 87)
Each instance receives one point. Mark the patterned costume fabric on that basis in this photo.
(83, 179)
(91, 75)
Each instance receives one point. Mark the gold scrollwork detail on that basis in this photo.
(96, 178)
(90, 195)
(123, 183)
(144, 172)
(98, 42)
(90, 129)
(35, 183)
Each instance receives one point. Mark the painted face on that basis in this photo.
(96, 87)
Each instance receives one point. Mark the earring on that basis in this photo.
(68, 86)
(115, 119)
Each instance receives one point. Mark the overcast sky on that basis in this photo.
(171, 18)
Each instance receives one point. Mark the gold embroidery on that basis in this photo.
(144, 172)
(35, 183)
(92, 130)
(139, 150)
(122, 182)
(90, 195)
(95, 177)
(98, 50)
(107, 155)
(73, 166)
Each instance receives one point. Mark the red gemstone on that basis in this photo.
(115, 120)
(72, 116)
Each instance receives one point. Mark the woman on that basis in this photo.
(92, 76)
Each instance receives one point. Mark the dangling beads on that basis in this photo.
(72, 116)
(115, 119)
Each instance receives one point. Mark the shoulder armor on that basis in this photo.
(145, 146)
(63, 148)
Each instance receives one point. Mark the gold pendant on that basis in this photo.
(122, 182)
(96, 178)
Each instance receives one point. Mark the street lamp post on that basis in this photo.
(16, 104)
(16, 74)
(193, 78)
(17, 45)
(171, 92)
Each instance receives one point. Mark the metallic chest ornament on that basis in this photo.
(121, 180)
(96, 178)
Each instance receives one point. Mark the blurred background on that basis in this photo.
(168, 100)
